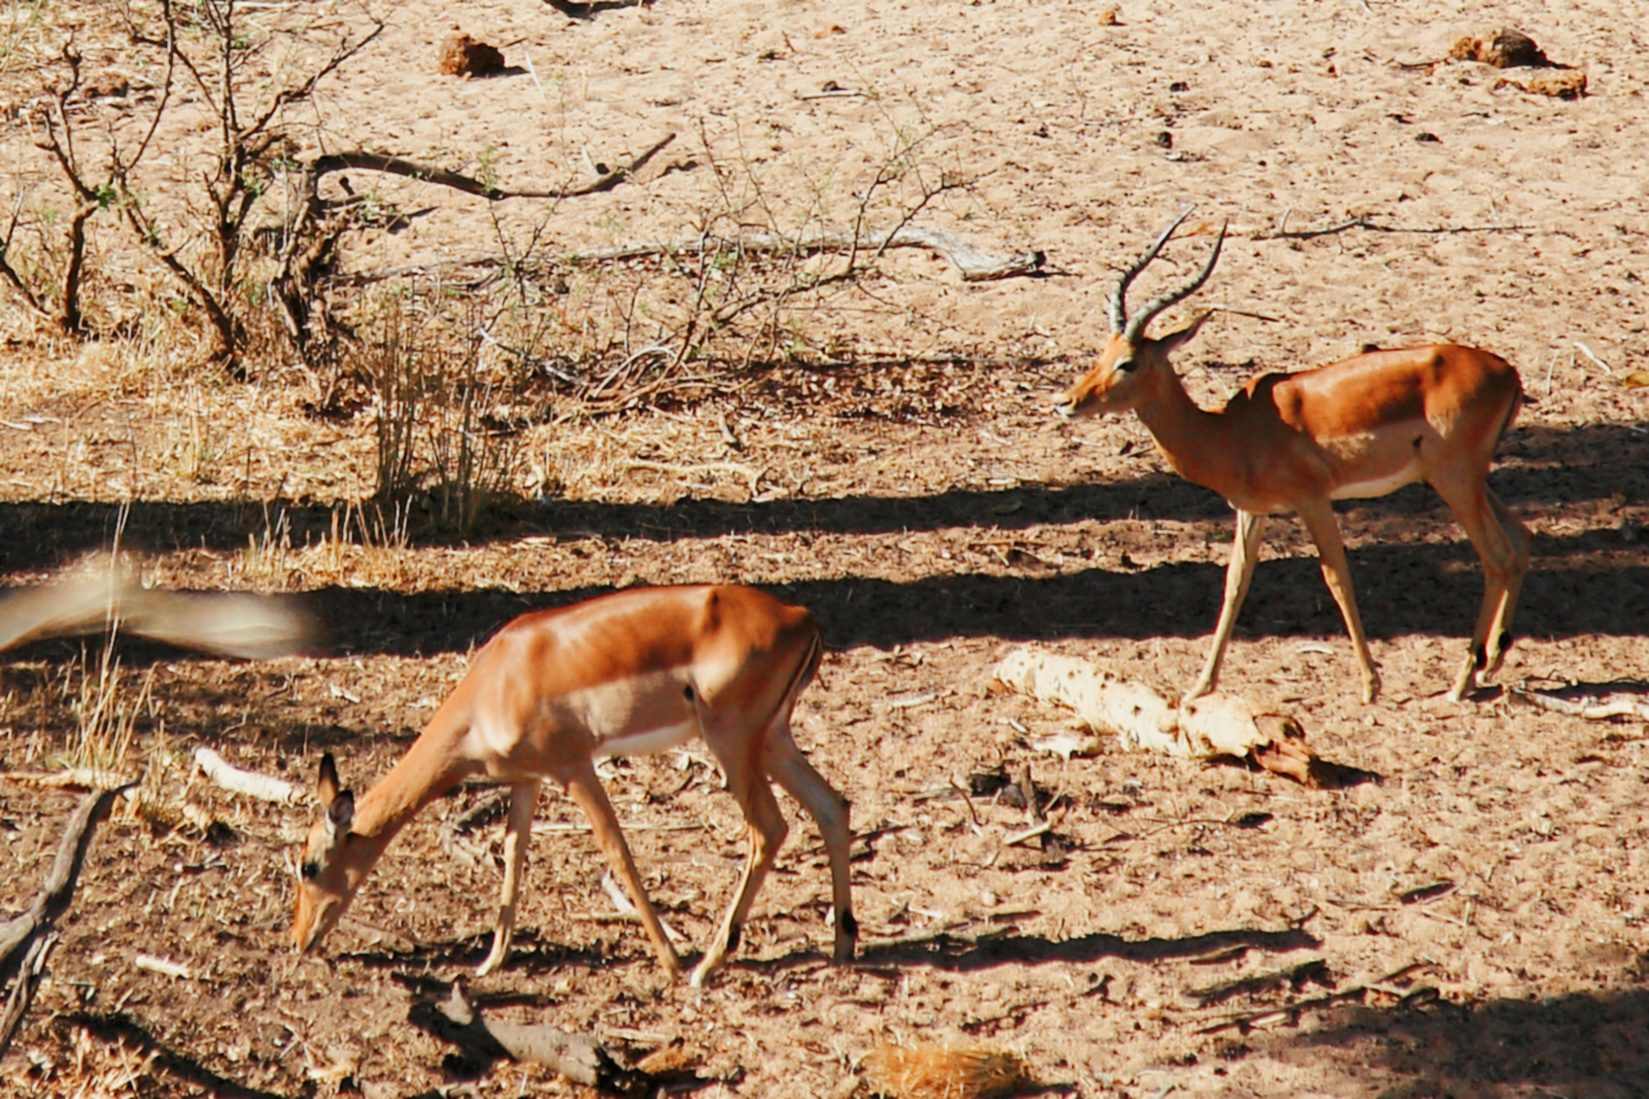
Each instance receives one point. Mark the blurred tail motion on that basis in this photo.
(255, 627)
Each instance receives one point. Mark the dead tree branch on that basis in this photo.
(1364, 221)
(974, 265)
(308, 247)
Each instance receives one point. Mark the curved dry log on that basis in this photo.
(26, 939)
(578, 1057)
(361, 160)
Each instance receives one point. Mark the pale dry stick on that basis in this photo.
(238, 780)
(1297, 442)
(1362, 222)
(639, 671)
(1588, 352)
(154, 963)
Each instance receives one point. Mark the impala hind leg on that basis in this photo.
(517, 837)
(584, 787)
(1324, 529)
(1522, 547)
(1238, 572)
(829, 809)
(1503, 546)
(741, 759)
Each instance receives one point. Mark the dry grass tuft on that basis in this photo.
(944, 1072)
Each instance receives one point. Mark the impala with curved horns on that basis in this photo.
(637, 671)
(1296, 442)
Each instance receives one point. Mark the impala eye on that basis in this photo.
(1126, 366)
(311, 869)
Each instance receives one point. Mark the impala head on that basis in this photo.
(1131, 365)
(327, 876)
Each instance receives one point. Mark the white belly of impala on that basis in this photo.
(1380, 486)
(646, 742)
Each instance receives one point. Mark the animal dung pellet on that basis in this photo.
(462, 55)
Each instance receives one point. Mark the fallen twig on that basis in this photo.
(1312, 972)
(164, 966)
(1295, 977)
(1590, 708)
(1030, 833)
(750, 474)
(1590, 354)
(83, 778)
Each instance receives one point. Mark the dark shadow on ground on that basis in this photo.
(1402, 589)
(528, 955)
(1584, 1043)
(1587, 584)
(1604, 462)
(122, 1028)
(955, 955)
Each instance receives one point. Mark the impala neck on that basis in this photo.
(1196, 442)
(432, 766)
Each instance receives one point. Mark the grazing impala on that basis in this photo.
(634, 672)
(1296, 442)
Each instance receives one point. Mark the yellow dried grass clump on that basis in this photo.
(944, 1072)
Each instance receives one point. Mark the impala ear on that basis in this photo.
(1172, 341)
(327, 784)
(339, 804)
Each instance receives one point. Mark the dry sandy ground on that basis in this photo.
(932, 515)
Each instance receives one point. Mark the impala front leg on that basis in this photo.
(517, 837)
(579, 777)
(1244, 553)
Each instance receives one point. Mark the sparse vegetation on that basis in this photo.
(633, 312)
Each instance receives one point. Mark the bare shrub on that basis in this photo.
(199, 49)
(431, 399)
